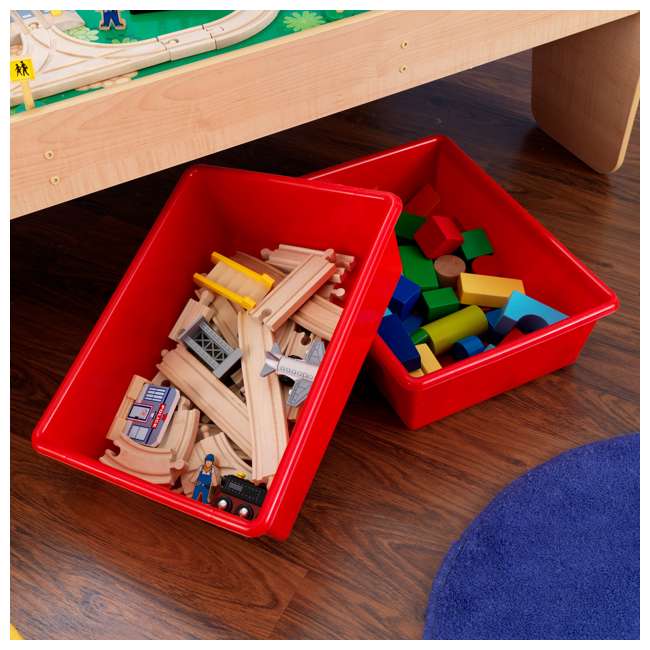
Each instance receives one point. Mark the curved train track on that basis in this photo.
(62, 62)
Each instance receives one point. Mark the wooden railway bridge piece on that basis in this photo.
(239, 278)
(242, 286)
(225, 456)
(264, 399)
(193, 379)
(63, 62)
(212, 350)
(294, 290)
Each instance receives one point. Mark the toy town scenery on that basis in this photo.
(73, 52)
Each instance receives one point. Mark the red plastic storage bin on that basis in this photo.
(213, 208)
(523, 249)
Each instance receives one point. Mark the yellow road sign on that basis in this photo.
(21, 69)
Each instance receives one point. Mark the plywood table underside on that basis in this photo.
(78, 146)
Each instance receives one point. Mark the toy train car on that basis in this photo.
(239, 496)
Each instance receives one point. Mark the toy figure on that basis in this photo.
(111, 19)
(206, 477)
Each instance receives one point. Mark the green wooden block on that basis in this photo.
(439, 303)
(475, 243)
(417, 268)
(407, 224)
(419, 336)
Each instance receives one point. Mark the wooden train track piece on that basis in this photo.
(225, 318)
(63, 62)
(264, 398)
(182, 431)
(192, 311)
(319, 316)
(258, 265)
(330, 289)
(152, 464)
(345, 261)
(282, 336)
(288, 260)
(225, 456)
(293, 291)
(212, 396)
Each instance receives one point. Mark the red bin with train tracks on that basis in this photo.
(229, 210)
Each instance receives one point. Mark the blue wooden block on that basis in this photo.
(493, 317)
(405, 296)
(396, 338)
(412, 322)
(527, 314)
(467, 347)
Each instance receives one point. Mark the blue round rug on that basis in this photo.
(554, 556)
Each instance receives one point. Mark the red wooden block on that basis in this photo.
(424, 202)
(438, 236)
(513, 335)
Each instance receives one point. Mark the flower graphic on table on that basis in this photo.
(83, 33)
(301, 20)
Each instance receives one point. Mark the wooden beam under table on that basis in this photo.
(87, 143)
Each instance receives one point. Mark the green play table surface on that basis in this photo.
(151, 24)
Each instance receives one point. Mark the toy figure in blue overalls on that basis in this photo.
(206, 477)
(111, 19)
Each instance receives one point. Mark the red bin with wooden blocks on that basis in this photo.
(523, 249)
(228, 210)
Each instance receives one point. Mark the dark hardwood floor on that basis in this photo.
(89, 560)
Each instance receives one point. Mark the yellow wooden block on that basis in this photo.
(428, 360)
(416, 373)
(486, 290)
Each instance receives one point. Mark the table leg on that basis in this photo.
(585, 91)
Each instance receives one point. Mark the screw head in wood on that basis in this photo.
(54, 180)
(403, 68)
(404, 44)
(48, 155)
